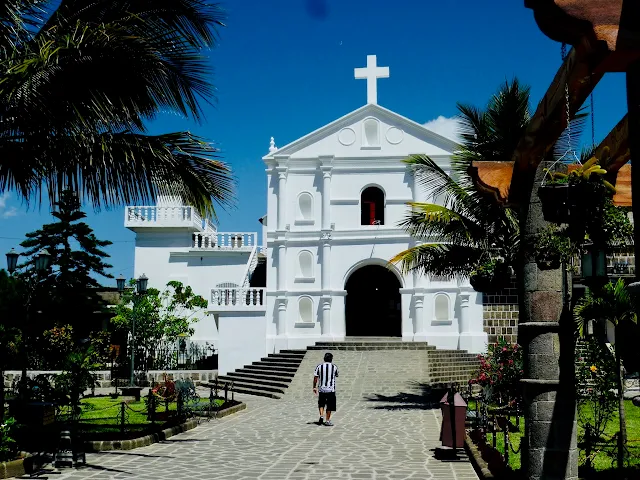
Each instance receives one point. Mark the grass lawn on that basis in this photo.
(102, 416)
(604, 459)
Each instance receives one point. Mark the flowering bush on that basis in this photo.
(8, 446)
(500, 372)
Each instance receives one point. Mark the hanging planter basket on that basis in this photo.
(482, 282)
(548, 261)
(486, 281)
(555, 202)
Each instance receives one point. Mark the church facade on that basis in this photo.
(335, 198)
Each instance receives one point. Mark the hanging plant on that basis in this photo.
(577, 197)
(490, 276)
(552, 248)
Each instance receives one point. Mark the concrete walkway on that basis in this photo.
(388, 435)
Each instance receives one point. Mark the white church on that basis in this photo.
(318, 270)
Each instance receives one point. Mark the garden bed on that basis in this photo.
(17, 467)
(101, 419)
(490, 460)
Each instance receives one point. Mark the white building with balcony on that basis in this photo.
(334, 201)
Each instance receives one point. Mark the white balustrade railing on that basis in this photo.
(170, 216)
(238, 299)
(225, 240)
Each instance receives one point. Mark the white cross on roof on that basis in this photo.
(372, 72)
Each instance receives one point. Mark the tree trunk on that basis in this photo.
(545, 330)
(622, 436)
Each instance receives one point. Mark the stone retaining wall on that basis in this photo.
(500, 314)
(104, 376)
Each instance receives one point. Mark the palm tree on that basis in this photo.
(80, 80)
(470, 228)
(613, 303)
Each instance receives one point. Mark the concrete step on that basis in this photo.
(296, 352)
(253, 381)
(271, 368)
(259, 393)
(292, 356)
(284, 360)
(258, 387)
(402, 346)
(277, 364)
(272, 373)
(260, 376)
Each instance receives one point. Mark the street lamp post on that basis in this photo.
(141, 289)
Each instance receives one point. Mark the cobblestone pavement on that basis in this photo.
(382, 436)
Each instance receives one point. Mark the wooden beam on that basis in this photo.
(581, 73)
(618, 142)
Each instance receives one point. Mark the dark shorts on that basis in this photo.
(327, 399)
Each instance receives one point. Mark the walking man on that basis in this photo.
(324, 381)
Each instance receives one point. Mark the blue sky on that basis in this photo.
(285, 68)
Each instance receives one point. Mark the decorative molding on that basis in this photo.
(325, 235)
(304, 280)
(304, 221)
(299, 324)
(347, 136)
(344, 201)
(394, 135)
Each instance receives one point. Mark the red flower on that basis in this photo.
(504, 349)
(510, 362)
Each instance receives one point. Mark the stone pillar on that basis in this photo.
(545, 331)
(282, 197)
(326, 316)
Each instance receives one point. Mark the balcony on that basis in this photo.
(225, 241)
(167, 217)
(238, 299)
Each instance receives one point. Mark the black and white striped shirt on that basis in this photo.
(326, 373)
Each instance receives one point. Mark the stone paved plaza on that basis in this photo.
(384, 430)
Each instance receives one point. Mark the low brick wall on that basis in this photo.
(104, 376)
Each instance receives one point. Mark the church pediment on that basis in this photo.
(370, 131)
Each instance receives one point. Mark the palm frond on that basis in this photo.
(437, 259)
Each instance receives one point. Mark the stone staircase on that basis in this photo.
(269, 377)
(443, 366)
(387, 358)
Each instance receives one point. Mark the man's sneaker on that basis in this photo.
(321, 421)
(329, 423)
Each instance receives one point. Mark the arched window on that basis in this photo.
(372, 206)
(305, 309)
(371, 130)
(305, 206)
(441, 306)
(305, 264)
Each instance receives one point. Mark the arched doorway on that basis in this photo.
(373, 303)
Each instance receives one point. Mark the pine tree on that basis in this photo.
(69, 294)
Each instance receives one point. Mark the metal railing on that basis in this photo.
(225, 241)
(238, 299)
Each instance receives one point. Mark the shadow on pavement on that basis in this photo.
(421, 396)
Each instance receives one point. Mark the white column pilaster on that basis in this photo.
(418, 309)
(326, 316)
(326, 167)
(282, 196)
(282, 267)
(281, 341)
